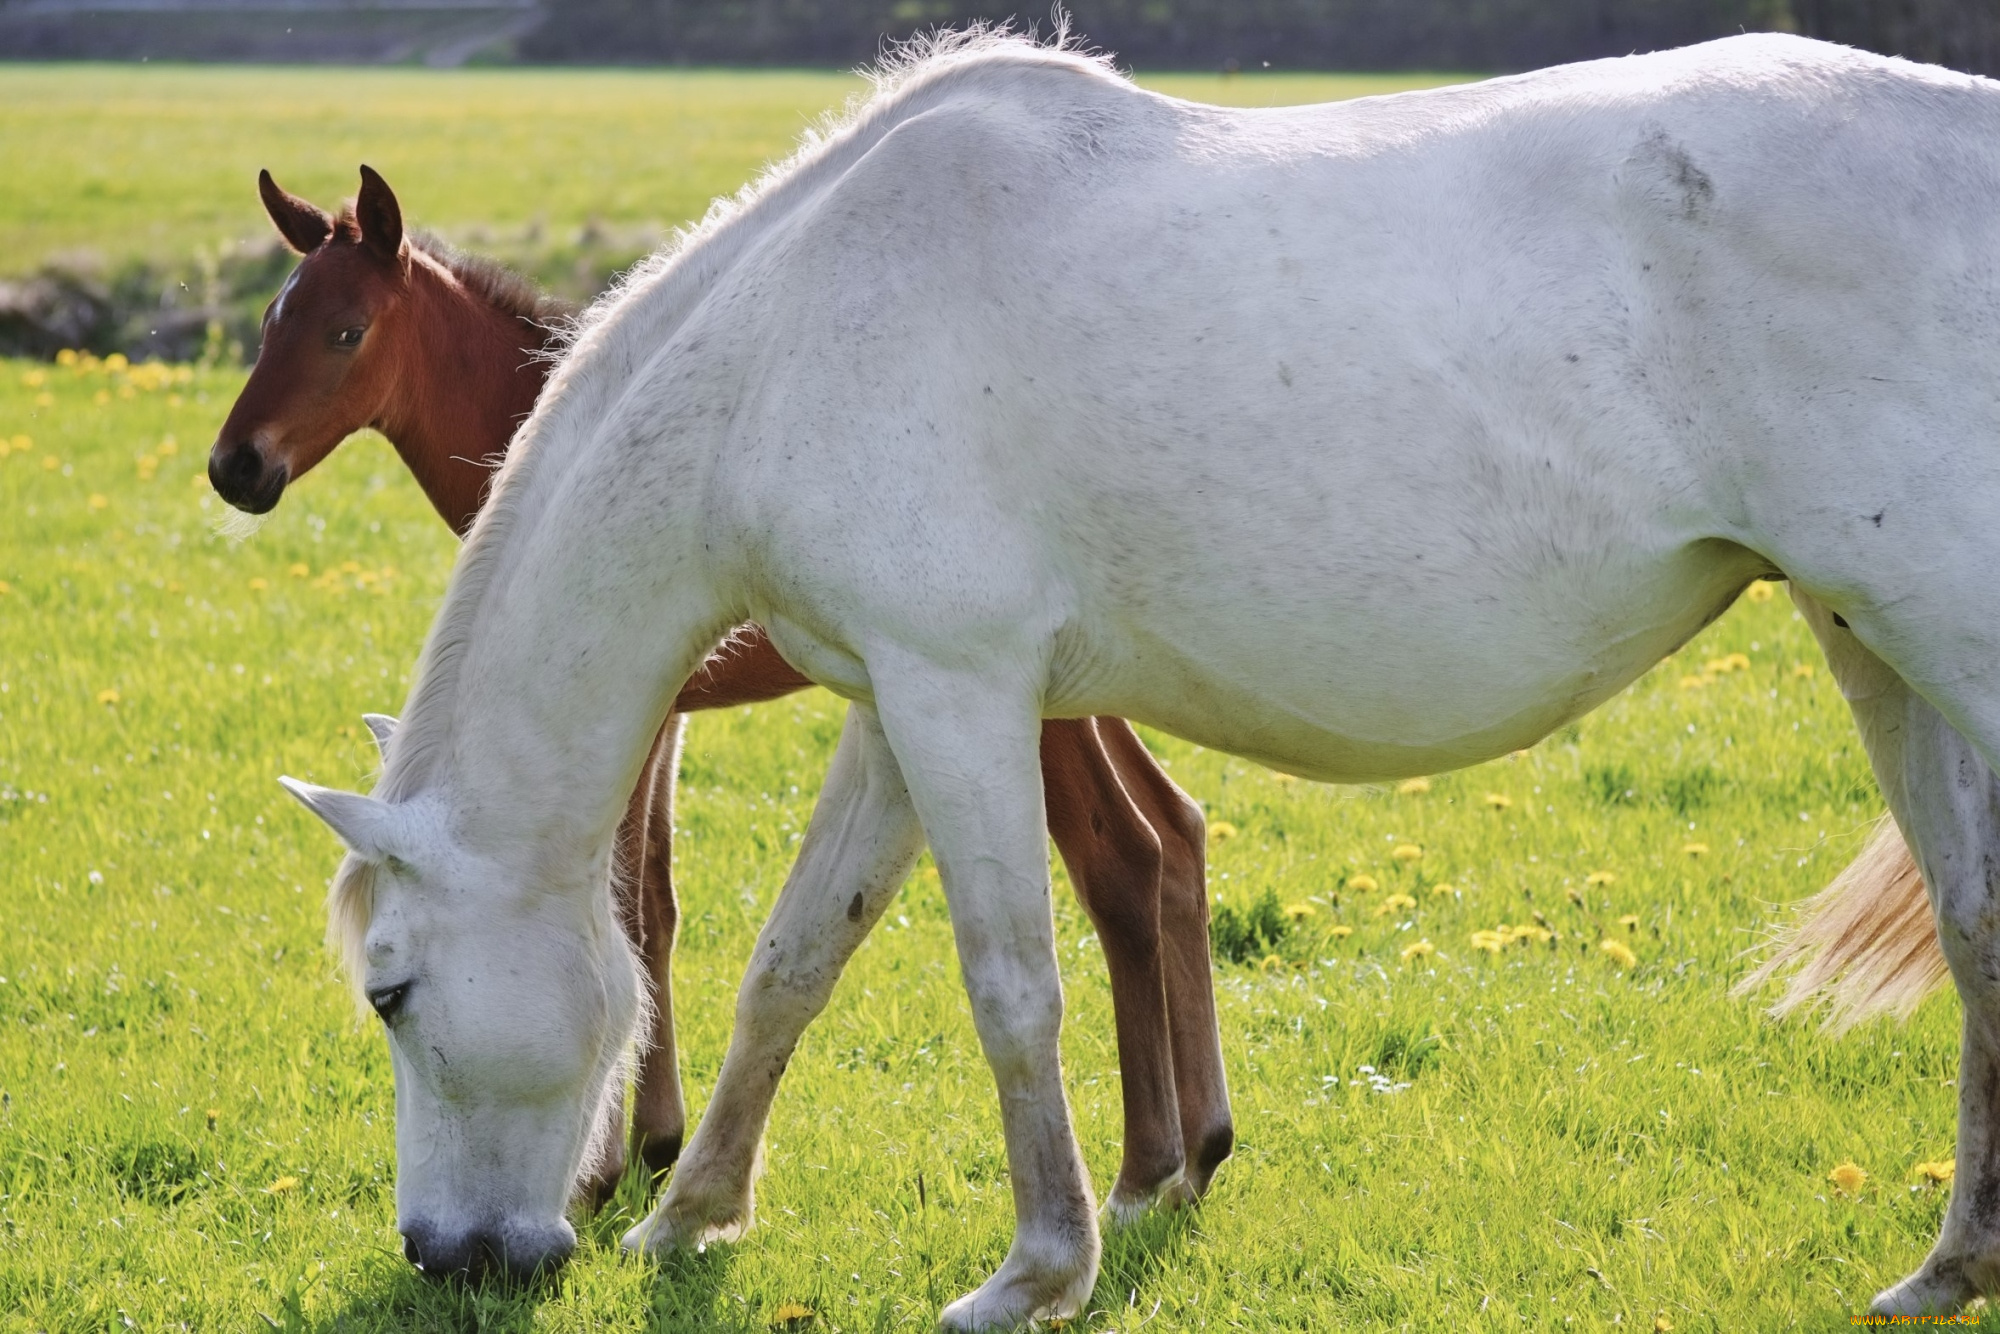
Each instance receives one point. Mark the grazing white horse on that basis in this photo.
(1362, 440)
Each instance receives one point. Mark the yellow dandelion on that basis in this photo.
(350, 567)
(101, 397)
(22, 444)
(34, 379)
(1407, 852)
(107, 696)
(1662, 1325)
(1693, 682)
(98, 502)
(1761, 591)
(1278, 776)
(1541, 935)
(1939, 1173)
(299, 570)
(66, 357)
(1221, 831)
(1499, 801)
(791, 1313)
(1620, 952)
(1803, 670)
(1341, 931)
(5, 588)
(259, 584)
(1848, 1178)
(1695, 849)
(1716, 666)
(1737, 662)
(213, 1116)
(281, 1185)
(1416, 949)
(1442, 890)
(45, 399)
(1395, 903)
(1410, 787)
(1295, 911)
(116, 362)
(1363, 884)
(1630, 921)
(1270, 961)
(1490, 941)
(50, 462)
(1596, 878)
(169, 446)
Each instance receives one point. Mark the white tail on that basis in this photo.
(1864, 946)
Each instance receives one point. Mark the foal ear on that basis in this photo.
(304, 227)
(381, 726)
(365, 825)
(380, 216)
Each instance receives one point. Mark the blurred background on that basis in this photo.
(569, 137)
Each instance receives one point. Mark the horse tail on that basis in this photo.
(1864, 946)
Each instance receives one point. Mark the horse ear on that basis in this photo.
(304, 227)
(380, 216)
(365, 825)
(382, 727)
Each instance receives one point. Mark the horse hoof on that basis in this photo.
(1929, 1291)
(1024, 1291)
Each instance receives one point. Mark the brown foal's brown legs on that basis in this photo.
(1206, 1127)
(1134, 845)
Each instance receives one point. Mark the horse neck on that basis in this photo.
(467, 378)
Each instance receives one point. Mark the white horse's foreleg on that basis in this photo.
(1947, 800)
(858, 848)
(971, 761)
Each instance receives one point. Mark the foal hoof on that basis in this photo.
(1126, 1205)
(1024, 1292)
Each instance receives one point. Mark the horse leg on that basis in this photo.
(1945, 796)
(858, 848)
(601, 1176)
(659, 1117)
(1207, 1129)
(969, 755)
(1113, 856)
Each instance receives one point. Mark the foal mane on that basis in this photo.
(599, 350)
(507, 291)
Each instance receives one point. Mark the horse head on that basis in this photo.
(326, 364)
(508, 1001)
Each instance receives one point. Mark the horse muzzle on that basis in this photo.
(510, 1251)
(240, 476)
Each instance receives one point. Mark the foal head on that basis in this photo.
(331, 343)
(508, 1001)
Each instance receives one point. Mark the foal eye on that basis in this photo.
(388, 1000)
(350, 337)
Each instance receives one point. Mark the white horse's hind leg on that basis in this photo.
(1947, 800)
(858, 848)
(970, 758)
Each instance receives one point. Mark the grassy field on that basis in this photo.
(196, 1130)
(154, 161)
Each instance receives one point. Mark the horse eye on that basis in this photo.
(350, 337)
(388, 1000)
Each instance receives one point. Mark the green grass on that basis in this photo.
(153, 162)
(1576, 1142)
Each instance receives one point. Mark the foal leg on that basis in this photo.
(968, 753)
(858, 848)
(1947, 800)
(1113, 855)
(659, 1117)
(1207, 1131)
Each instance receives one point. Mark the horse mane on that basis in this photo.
(640, 312)
(506, 290)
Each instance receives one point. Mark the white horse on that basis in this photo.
(1363, 440)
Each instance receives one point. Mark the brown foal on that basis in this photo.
(444, 354)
